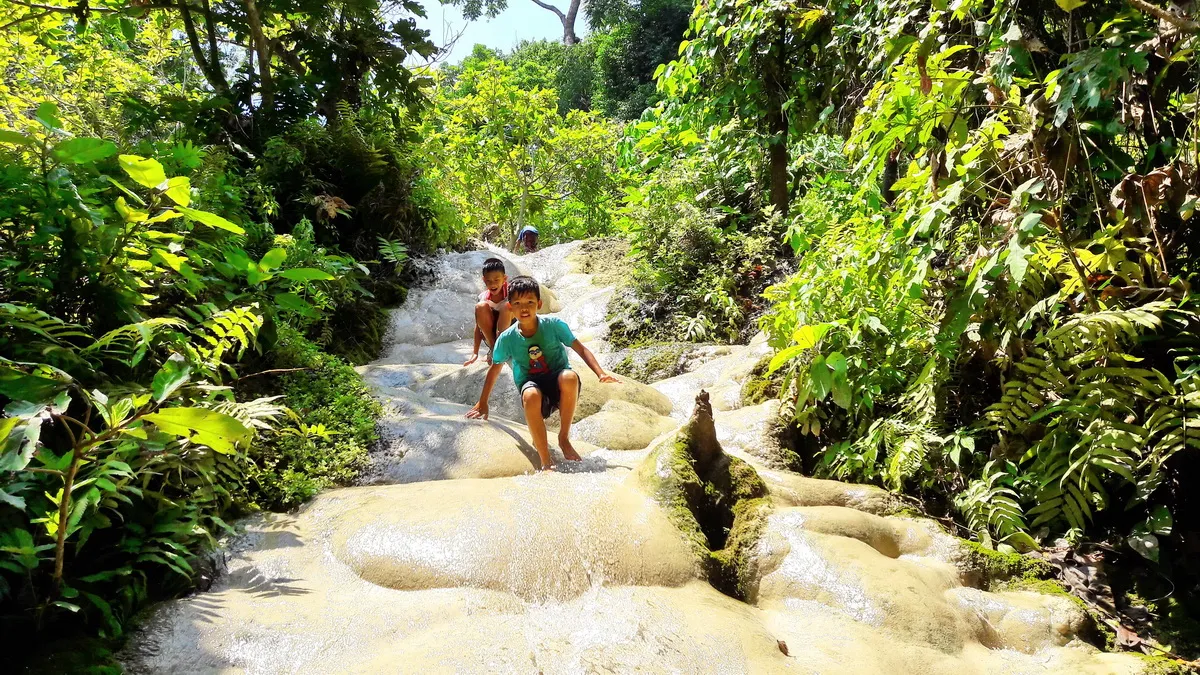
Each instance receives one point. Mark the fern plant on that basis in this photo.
(1093, 417)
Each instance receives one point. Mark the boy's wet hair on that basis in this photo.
(493, 265)
(523, 285)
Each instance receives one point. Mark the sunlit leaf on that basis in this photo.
(146, 172)
(210, 219)
(83, 150)
(207, 427)
(273, 258)
(173, 374)
(306, 274)
(47, 114)
(179, 189)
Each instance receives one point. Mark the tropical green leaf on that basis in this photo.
(179, 189)
(273, 258)
(173, 374)
(210, 219)
(15, 138)
(146, 172)
(206, 427)
(306, 274)
(295, 303)
(83, 150)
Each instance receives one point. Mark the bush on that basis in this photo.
(333, 430)
(700, 266)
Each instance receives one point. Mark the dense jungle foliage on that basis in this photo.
(968, 230)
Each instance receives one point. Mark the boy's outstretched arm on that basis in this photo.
(590, 359)
(481, 409)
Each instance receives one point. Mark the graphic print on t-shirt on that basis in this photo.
(537, 361)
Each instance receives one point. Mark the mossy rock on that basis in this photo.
(733, 567)
(1161, 665)
(653, 362)
(718, 502)
(984, 567)
(1098, 632)
(607, 260)
(760, 387)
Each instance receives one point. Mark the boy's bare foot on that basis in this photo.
(568, 450)
(547, 467)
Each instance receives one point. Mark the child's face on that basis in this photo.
(524, 306)
(494, 280)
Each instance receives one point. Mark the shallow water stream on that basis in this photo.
(454, 557)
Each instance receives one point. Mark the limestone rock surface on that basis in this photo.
(458, 558)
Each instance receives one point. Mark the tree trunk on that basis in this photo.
(212, 71)
(777, 122)
(568, 23)
(264, 54)
(568, 19)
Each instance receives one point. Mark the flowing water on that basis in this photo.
(454, 557)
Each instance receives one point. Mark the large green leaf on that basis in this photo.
(18, 441)
(207, 427)
(295, 303)
(783, 357)
(15, 138)
(210, 219)
(146, 172)
(307, 274)
(21, 387)
(179, 189)
(807, 337)
(47, 114)
(173, 374)
(83, 150)
(273, 258)
(1017, 260)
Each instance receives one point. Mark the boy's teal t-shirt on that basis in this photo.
(545, 352)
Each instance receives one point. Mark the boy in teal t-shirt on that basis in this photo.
(535, 348)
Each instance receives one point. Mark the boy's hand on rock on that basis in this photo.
(480, 411)
(608, 377)
(474, 358)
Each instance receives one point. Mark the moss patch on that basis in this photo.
(653, 362)
(989, 567)
(733, 566)
(718, 502)
(1097, 632)
(759, 387)
(1173, 626)
(1161, 665)
(607, 260)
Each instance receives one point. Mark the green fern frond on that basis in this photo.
(992, 508)
(260, 413)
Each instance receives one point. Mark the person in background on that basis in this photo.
(527, 238)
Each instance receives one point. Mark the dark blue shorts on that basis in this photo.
(547, 384)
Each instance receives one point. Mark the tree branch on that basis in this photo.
(552, 8)
(29, 17)
(210, 27)
(212, 72)
(1181, 22)
(264, 53)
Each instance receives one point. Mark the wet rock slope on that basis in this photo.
(454, 557)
